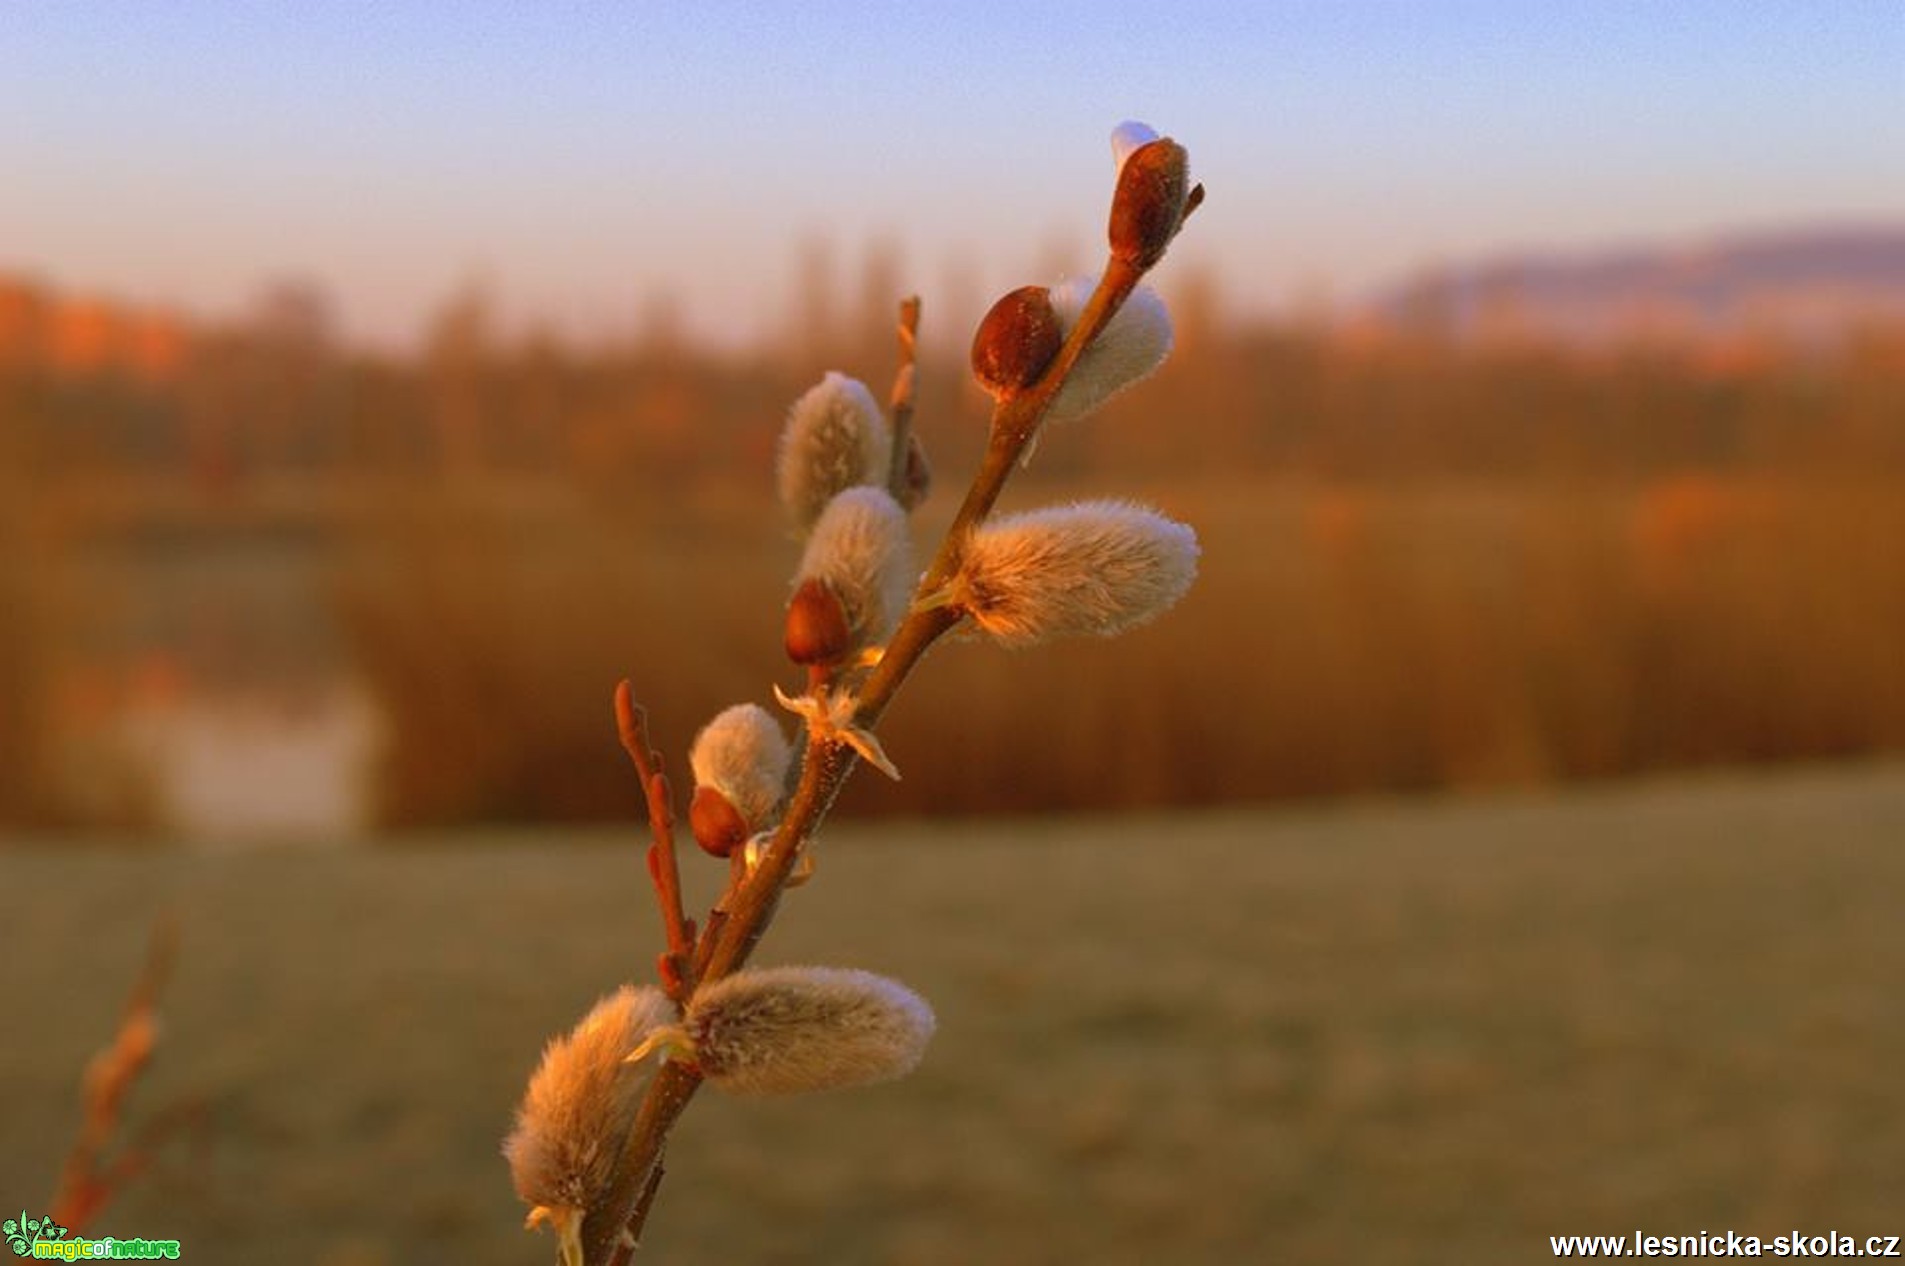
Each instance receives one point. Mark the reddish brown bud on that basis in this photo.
(818, 631)
(1015, 342)
(717, 825)
(1153, 188)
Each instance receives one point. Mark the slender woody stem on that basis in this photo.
(611, 1229)
(677, 964)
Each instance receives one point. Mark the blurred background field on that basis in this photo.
(324, 516)
(1502, 839)
(1396, 1031)
(274, 586)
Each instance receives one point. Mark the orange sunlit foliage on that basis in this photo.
(83, 335)
(75, 337)
(155, 347)
(1679, 522)
(22, 309)
(1432, 557)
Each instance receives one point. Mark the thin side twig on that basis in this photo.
(677, 963)
(191, 1116)
(905, 389)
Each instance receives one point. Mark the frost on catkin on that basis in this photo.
(1095, 567)
(579, 1104)
(835, 438)
(860, 549)
(787, 1030)
(1129, 349)
(744, 754)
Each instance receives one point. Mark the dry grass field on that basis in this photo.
(1433, 1031)
(1340, 639)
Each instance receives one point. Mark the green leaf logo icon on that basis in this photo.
(23, 1234)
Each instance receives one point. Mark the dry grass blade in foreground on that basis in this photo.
(586, 1154)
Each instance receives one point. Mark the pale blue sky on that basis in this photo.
(578, 156)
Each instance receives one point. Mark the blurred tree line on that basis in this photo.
(1603, 555)
(88, 391)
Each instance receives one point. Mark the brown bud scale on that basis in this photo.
(1017, 341)
(717, 825)
(818, 631)
(1149, 206)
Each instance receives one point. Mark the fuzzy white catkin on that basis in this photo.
(744, 754)
(835, 438)
(580, 1101)
(861, 549)
(1129, 349)
(788, 1030)
(1096, 567)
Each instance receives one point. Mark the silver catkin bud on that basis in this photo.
(1129, 349)
(744, 754)
(578, 1106)
(835, 438)
(860, 550)
(1096, 567)
(788, 1030)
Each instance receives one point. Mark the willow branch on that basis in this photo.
(747, 907)
(643, 1204)
(613, 1227)
(1014, 424)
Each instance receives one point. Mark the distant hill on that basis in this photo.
(1809, 286)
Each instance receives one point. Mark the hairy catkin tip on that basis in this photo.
(1097, 567)
(579, 1103)
(861, 552)
(787, 1030)
(1128, 138)
(835, 438)
(1128, 350)
(744, 754)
